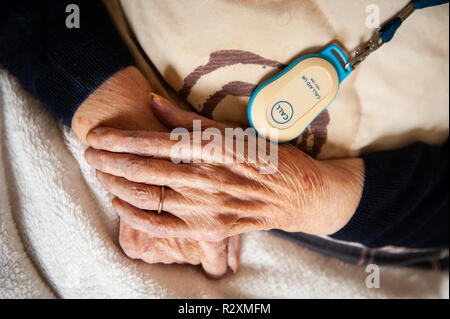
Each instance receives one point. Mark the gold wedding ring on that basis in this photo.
(161, 200)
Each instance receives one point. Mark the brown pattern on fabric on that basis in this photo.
(220, 59)
(315, 135)
(312, 139)
(235, 88)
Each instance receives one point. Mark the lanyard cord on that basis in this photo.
(386, 32)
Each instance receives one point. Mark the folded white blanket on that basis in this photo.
(59, 234)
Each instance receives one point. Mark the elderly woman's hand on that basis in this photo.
(214, 257)
(122, 102)
(213, 198)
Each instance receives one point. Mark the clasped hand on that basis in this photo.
(209, 199)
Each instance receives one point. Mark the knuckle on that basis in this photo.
(151, 140)
(151, 258)
(143, 194)
(107, 136)
(133, 166)
(142, 141)
(129, 247)
(102, 156)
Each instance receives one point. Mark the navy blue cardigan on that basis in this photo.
(405, 196)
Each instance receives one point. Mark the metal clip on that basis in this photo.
(375, 41)
(365, 50)
(406, 11)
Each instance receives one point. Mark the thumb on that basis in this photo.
(172, 116)
(233, 249)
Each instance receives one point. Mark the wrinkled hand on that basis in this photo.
(213, 256)
(214, 199)
(122, 102)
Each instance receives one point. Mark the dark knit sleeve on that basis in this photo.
(60, 66)
(404, 201)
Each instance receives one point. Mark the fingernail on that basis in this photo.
(92, 139)
(234, 266)
(93, 136)
(158, 101)
(116, 204)
(154, 97)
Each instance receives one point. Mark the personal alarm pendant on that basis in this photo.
(292, 99)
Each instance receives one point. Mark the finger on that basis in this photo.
(165, 225)
(233, 252)
(214, 258)
(161, 145)
(172, 116)
(138, 245)
(156, 144)
(129, 241)
(148, 170)
(141, 195)
(181, 250)
(161, 226)
(172, 250)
